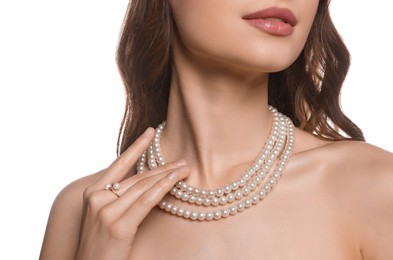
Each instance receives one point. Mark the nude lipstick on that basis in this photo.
(275, 21)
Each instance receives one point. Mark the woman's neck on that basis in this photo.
(218, 123)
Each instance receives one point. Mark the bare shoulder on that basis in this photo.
(356, 158)
(62, 231)
(360, 161)
(357, 178)
(360, 178)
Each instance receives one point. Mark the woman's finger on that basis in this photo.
(131, 219)
(130, 182)
(133, 192)
(122, 165)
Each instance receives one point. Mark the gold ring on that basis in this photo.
(114, 192)
(113, 188)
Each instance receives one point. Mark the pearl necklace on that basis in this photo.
(280, 142)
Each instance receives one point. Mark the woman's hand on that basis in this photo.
(110, 222)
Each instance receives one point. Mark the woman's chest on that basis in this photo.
(301, 225)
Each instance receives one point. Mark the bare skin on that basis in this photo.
(334, 200)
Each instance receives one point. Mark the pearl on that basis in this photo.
(180, 212)
(251, 171)
(174, 210)
(225, 213)
(215, 201)
(217, 215)
(277, 175)
(168, 207)
(162, 204)
(219, 192)
(230, 197)
(187, 214)
(201, 216)
(233, 210)
(179, 194)
(193, 215)
(209, 216)
(247, 203)
(269, 161)
(240, 207)
(246, 191)
(173, 191)
(199, 201)
(223, 200)
(227, 189)
(211, 193)
(192, 199)
(238, 194)
(206, 202)
(253, 185)
(255, 199)
(234, 185)
(185, 197)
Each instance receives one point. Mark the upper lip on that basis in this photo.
(279, 13)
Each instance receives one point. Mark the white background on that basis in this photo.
(61, 99)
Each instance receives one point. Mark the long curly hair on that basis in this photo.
(308, 91)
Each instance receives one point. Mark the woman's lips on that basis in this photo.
(276, 21)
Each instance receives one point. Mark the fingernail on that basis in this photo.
(185, 169)
(181, 163)
(172, 176)
(175, 174)
(148, 132)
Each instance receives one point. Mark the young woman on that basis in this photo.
(227, 176)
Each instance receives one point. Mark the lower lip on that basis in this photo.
(272, 27)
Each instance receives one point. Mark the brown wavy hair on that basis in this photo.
(308, 91)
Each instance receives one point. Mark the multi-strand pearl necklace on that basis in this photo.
(278, 145)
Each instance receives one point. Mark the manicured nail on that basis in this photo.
(185, 169)
(148, 132)
(172, 176)
(181, 163)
